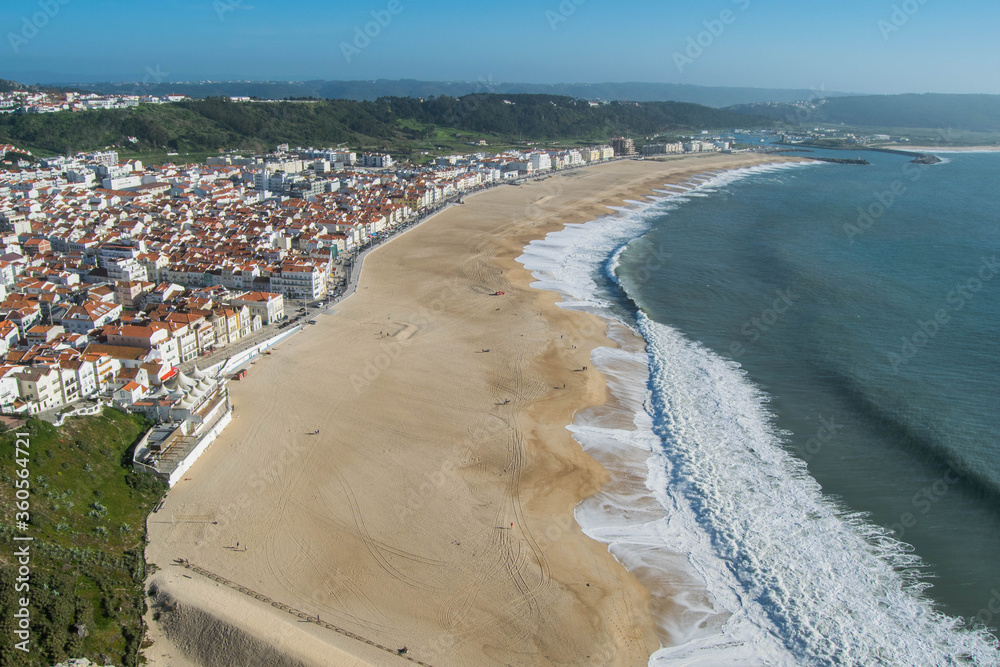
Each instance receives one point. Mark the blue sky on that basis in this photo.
(867, 46)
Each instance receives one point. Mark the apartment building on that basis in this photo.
(269, 306)
(299, 282)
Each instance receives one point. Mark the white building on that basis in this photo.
(345, 157)
(121, 182)
(127, 269)
(85, 318)
(377, 160)
(698, 147)
(40, 388)
(299, 282)
(85, 176)
(8, 387)
(268, 305)
(540, 161)
(192, 410)
(663, 149)
(107, 158)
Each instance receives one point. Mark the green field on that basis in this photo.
(87, 517)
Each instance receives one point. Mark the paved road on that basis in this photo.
(255, 338)
(271, 330)
(357, 259)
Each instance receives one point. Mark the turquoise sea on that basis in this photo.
(817, 407)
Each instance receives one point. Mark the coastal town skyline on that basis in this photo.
(737, 43)
(221, 246)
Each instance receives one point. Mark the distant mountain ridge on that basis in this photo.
(6, 86)
(713, 96)
(974, 113)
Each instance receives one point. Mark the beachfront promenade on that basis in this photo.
(355, 261)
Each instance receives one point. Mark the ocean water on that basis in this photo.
(804, 441)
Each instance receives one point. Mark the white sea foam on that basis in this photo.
(747, 562)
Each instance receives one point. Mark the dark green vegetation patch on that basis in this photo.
(389, 123)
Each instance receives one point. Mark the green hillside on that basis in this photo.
(373, 89)
(397, 124)
(87, 517)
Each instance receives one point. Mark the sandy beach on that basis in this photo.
(433, 509)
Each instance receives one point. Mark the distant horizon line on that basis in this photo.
(89, 79)
(51, 79)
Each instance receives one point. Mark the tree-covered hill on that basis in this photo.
(555, 117)
(218, 123)
(373, 89)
